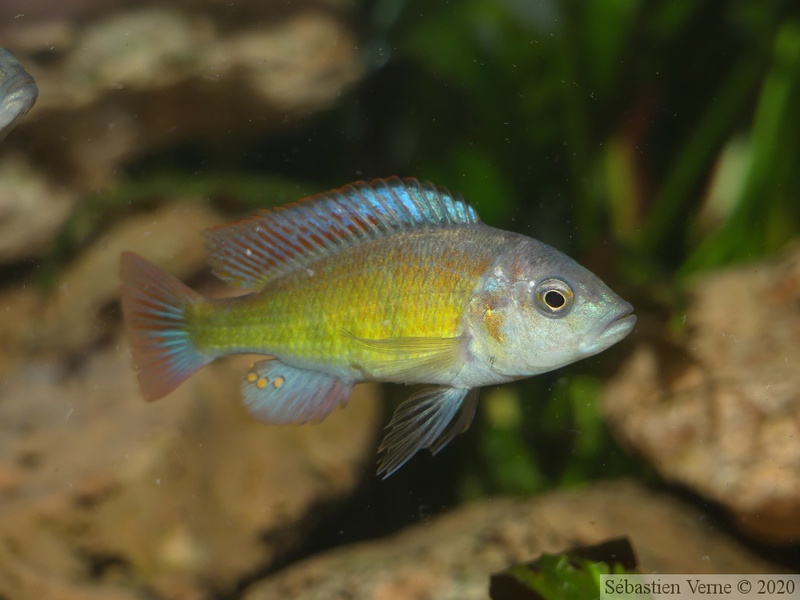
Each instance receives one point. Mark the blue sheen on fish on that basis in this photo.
(389, 280)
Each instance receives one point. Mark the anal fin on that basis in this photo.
(429, 419)
(278, 393)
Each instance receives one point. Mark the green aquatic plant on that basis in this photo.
(608, 116)
(656, 137)
(571, 575)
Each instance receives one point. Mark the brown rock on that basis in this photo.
(69, 318)
(181, 497)
(31, 209)
(169, 236)
(121, 81)
(133, 80)
(719, 409)
(452, 557)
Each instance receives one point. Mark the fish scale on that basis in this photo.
(391, 280)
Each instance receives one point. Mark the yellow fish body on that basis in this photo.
(391, 280)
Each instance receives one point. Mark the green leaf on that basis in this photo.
(572, 575)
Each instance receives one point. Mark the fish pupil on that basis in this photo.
(554, 299)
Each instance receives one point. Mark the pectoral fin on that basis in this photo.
(429, 419)
(277, 393)
(410, 359)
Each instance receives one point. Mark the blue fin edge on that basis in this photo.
(251, 252)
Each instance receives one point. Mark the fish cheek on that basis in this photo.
(485, 319)
(536, 343)
(493, 323)
(559, 341)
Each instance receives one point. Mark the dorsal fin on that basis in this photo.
(251, 252)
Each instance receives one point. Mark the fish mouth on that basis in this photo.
(616, 326)
(620, 324)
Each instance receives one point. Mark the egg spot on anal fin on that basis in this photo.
(278, 393)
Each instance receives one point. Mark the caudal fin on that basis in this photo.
(154, 310)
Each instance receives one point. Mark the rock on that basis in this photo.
(70, 318)
(26, 10)
(718, 409)
(32, 209)
(169, 236)
(105, 496)
(133, 80)
(452, 557)
(120, 81)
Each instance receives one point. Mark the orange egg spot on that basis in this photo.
(262, 383)
(251, 377)
(278, 382)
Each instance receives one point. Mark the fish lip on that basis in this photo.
(622, 324)
(618, 324)
(623, 319)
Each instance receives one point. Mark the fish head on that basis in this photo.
(538, 310)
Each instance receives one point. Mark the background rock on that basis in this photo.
(169, 236)
(126, 81)
(32, 209)
(181, 75)
(101, 495)
(69, 318)
(719, 411)
(452, 557)
(97, 487)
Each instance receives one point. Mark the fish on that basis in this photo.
(18, 92)
(389, 280)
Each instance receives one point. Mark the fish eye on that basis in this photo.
(554, 297)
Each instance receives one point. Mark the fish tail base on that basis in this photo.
(154, 308)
